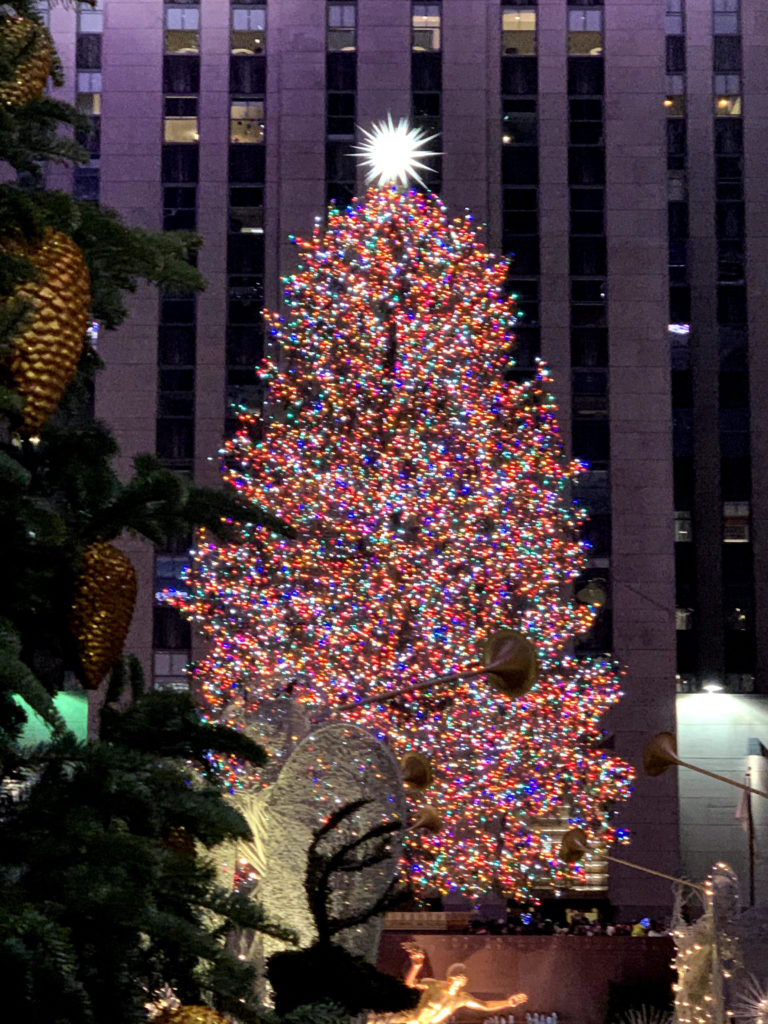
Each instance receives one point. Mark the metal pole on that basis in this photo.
(751, 835)
(721, 778)
(384, 695)
(652, 871)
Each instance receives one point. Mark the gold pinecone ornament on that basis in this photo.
(27, 46)
(45, 353)
(102, 609)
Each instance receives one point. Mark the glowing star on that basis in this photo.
(391, 152)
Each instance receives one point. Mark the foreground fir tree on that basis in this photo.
(430, 498)
(107, 894)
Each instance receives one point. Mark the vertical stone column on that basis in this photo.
(212, 206)
(63, 27)
(295, 193)
(553, 201)
(383, 61)
(471, 107)
(131, 134)
(704, 343)
(755, 99)
(642, 561)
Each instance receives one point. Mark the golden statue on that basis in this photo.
(440, 999)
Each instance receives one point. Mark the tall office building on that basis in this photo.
(614, 152)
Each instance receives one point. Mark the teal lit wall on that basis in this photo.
(73, 707)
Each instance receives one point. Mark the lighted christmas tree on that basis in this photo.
(431, 503)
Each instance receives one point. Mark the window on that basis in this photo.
(176, 346)
(248, 30)
(518, 31)
(675, 55)
(726, 85)
(247, 165)
(683, 618)
(587, 211)
(736, 522)
(87, 183)
(728, 106)
(246, 121)
(682, 389)
(341, 33)
(341, 114)
(88, 52)
(182, 25)
(586, 165)
(89, 103)
(180, 163)
(683, 528)
(181, 74)
(425, 22)
(246, 210)
(727, 53)
(586, 76)
(585, 122)
(725, 17)
(519, 125)
(91, 19)
(179, 208)
(587, 256)
(180, 122)
(171, 631)
(585, 32)
(676, 144)
(674, 106)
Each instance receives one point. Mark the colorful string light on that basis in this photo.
(430, 499)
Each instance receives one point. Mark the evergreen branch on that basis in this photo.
(168, 725)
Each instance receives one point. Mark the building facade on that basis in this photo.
(614, 152)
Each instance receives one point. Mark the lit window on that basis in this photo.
(736, 522)
(728, 106)
(91, 19)
(683, 618)
(89, 103)
(249, 30)
(180, 122)
(425, 20)
(341, 27)
(182, 25)
(246, 123)
(585, 32)
(674, 106)
(683, 528)
(518, 31)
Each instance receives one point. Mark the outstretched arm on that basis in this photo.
(417, 962)
(496, 1004)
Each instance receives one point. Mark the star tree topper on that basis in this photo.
(390, 152)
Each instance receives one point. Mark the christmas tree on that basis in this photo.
(430, 499)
